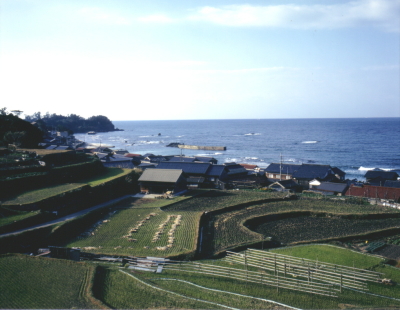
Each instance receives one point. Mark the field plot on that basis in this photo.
(215, 200)
(308, 228)
(142, 229)
(34, 282)
(333, 222)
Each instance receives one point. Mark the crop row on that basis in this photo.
(288, 230)
(154, 230)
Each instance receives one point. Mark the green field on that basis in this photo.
(131, 230)
(34, 282)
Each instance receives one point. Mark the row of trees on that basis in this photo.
(29, 132)
(72, 123)
(14, 130)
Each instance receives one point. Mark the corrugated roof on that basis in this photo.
(160, 175)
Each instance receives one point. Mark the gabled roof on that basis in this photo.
(205, 159)
(338, 171)
(249, 167)
(182, 159)
(310, 171)
(387, 175)
(333, 187)
(189, 168)
(216, 170)
(161, 175)
(286, 168)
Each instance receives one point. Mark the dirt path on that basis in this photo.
(67, 217)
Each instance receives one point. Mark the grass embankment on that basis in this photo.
(34, 196)
(35, 282)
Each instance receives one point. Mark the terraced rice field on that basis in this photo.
(306, 228)
(142, 229)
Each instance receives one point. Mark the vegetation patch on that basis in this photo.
(35, 282)
(141, 228)
(292, 227)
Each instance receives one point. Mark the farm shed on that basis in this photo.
(162, 180)
(329, 188)
(377, 192)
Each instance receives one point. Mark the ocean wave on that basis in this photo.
(208, 154)
(369, 169)
(252, 134)
(309, 142)
(148, 142)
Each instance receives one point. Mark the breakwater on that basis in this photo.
(199, 147)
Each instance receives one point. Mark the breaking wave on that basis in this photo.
(252, 134)
(309, 142)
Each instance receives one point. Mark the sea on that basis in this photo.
(355, 145)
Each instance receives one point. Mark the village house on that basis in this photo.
(328, 188)
(160, 181)
(277, 171)
(308, 172)
(378, 177)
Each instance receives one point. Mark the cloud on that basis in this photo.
(156, 18)
(94, 14)
(383, 14)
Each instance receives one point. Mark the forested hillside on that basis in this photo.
(72, 123)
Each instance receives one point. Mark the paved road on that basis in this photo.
(67, 217)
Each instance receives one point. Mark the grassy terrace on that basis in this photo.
(135, 228)
(131, 229)
(40, 194)
(34, 282)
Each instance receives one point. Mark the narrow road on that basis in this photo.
(67, 217)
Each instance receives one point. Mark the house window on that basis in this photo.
(287, 177)
(270, 175)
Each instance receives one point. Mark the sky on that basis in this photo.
(220, 59)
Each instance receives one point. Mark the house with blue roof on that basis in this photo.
(308, 172)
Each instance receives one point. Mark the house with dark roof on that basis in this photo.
(235, 170)
(162, 180)
(329, 188)
(110, 160)
(190, 168)
(378, 177)
(278, 171)
(308, 172)
(196, 172)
